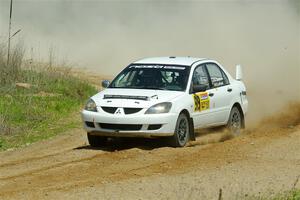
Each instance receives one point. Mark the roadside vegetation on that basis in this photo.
(290, 195)
(37, 100)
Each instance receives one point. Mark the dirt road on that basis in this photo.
(264, 160)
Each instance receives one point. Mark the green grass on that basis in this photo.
(45, 109)
(293, 194)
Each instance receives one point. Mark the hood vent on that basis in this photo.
(108, 96)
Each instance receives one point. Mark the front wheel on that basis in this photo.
(96, 141)
(234, 124)
(181, 135)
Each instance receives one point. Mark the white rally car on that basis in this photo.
(166, 97)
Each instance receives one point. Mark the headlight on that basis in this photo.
(90, 106)
(159, 108)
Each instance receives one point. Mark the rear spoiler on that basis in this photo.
(238, 73)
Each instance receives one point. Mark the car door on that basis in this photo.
(202, 107)
(220, 94)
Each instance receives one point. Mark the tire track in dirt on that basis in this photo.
(18, 162)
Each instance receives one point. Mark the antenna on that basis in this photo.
(9, 30)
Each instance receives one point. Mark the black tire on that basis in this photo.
(234, 124)
(96, 141)
(182, 131)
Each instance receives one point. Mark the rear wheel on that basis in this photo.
(96, 141)
(181, 135)
(234, 124)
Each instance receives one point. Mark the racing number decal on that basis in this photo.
(196, 102)
(201, 101)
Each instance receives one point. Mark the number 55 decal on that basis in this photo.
(201, 101)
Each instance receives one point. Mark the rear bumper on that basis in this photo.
(143, 121)
(245, 106)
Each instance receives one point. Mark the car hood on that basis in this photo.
(133, 98)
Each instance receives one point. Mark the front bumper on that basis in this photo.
(144, 121)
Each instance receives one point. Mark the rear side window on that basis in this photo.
(217, 76)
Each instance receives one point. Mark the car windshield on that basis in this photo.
(157, 77)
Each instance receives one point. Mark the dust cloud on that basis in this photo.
(105, 36)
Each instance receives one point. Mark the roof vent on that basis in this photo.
(172, 57)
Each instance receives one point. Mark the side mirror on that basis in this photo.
(199, 88)
(105, 83)
(238, 73)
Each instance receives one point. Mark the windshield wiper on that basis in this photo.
(154, 88)
(149, 88)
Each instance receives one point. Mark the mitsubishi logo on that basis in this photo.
(119, 111)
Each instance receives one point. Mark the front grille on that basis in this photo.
(131, 110)
(90, 124)
(127, 111)
(154, 126)
(111, 110)
(121, 127)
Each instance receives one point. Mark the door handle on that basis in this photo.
(229, 90)
(211, 94)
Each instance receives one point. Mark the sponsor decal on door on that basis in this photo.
(201, 101)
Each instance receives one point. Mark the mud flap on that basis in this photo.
(192, 132)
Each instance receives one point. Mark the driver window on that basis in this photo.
(200, 76)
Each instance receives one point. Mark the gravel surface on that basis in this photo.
(262, 161)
